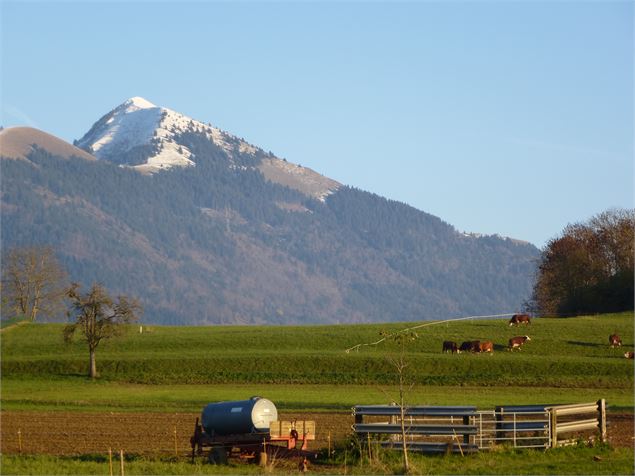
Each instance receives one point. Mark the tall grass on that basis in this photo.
(571, 460)
(99, 465)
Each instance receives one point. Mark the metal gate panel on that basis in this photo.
(520, 429)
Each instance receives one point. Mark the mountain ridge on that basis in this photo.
(218, 241)
(137, 126)
(17, 142)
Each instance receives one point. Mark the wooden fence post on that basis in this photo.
(20, 440)
(176, 448)
(121, 461)
(329, 440)
(602, 419)
(110, 461)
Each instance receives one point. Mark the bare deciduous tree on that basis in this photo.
(33, 283)
(98, 317)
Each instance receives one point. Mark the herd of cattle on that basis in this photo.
(517, 342)
(482, 346)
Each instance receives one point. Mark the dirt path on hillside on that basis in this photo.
(72, 433)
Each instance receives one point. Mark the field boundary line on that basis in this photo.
(426, 324)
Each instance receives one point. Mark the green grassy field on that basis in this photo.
(571, 460)
(79, 395)
(182, 368)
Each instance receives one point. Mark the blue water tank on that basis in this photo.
(239, 417)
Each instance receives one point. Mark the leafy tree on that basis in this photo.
(589, 268)
(33, 283)
(98, 317)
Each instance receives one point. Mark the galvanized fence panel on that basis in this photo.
(429, 429)
(520, 430)
(566, 419)
(440, 429)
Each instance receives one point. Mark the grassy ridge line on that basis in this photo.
(563, 352)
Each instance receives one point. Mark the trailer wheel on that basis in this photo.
(217, 455)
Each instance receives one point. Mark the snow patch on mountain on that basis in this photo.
(138, 122)
(129, 126)
(140, 103)
(144, 136)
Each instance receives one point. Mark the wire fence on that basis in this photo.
(438, 429)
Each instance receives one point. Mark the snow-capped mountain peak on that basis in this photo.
(149, 138)
(139, 134)
(139, 103)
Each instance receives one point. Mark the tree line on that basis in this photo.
(588, 268)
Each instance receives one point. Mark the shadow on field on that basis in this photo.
(499, 347)
(585, 344)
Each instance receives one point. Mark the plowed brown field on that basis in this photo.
(73, 433)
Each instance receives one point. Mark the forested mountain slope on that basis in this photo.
(217, 241)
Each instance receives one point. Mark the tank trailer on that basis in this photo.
(250, 430)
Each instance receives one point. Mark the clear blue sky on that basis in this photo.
(499, 117)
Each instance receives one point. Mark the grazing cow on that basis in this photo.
(518, 319)
(471, 346)
(629, 355)
(614, 340)
(516, 342)
(487, 346)
(449, 346)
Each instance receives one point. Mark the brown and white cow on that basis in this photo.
(517, 342)
(449, 346)
(629, 355)
(470, 346)
(487, 346)
(614, 340)
(518, 319)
